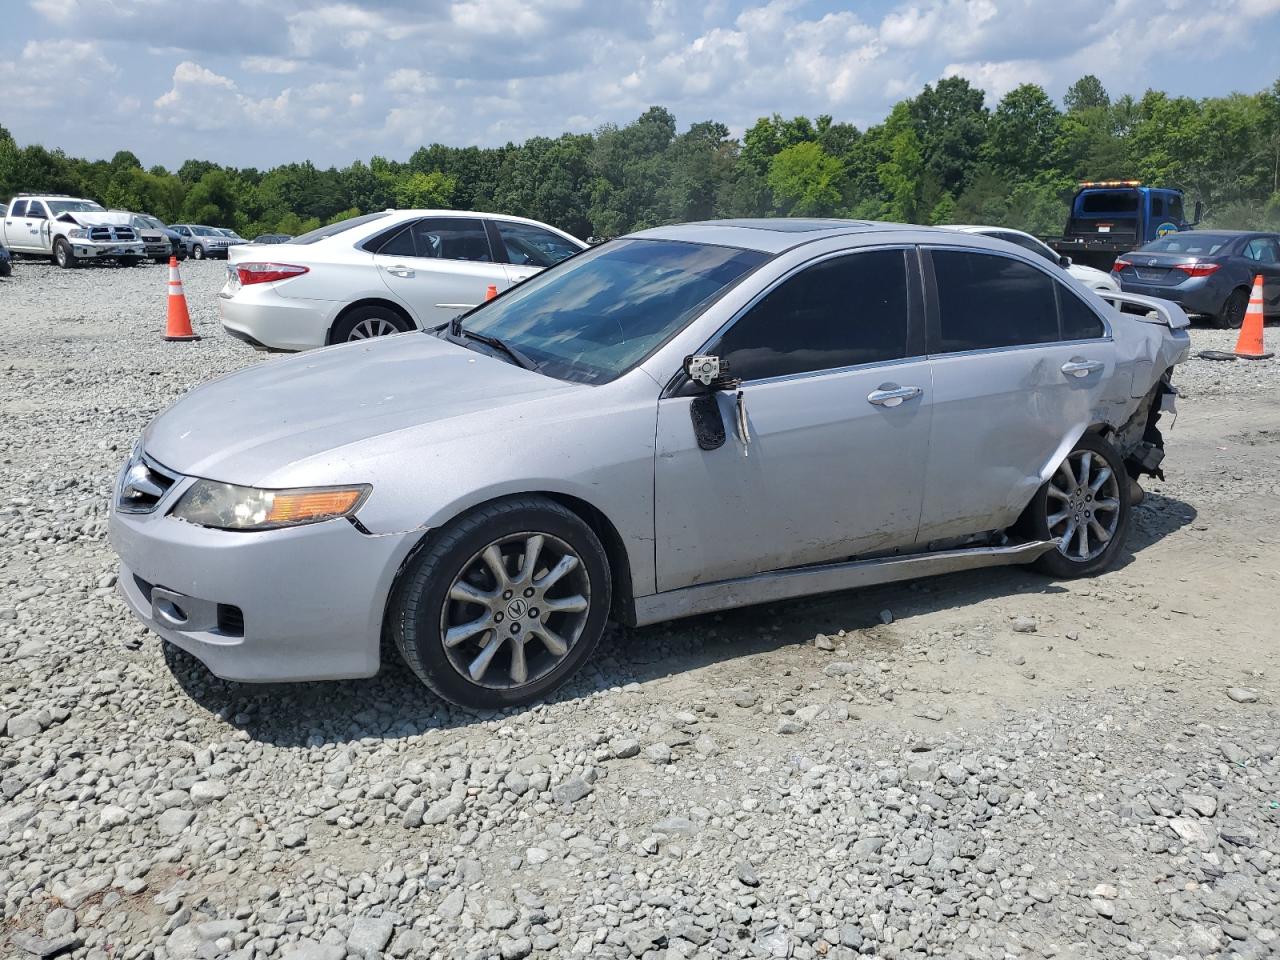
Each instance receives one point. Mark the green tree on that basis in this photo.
(425, 190)
(1022, 132)
(805, 181)
(950, 124)
(212, 200)
(1087, 93)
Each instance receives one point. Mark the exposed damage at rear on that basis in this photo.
(1156, 330)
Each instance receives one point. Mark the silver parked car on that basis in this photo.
(687, 419)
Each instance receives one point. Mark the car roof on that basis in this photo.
(981, 228)
(779, 234)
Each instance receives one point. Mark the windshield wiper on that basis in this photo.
(456, 331)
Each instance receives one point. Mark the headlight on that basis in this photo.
(226, 506)
(77, 233)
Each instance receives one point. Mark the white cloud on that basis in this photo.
(260, 81)
(275, 65)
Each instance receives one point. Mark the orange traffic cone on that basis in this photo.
(1249, 345)
(178, 326)
(491, 292)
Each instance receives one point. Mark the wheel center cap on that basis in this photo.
(516, 608)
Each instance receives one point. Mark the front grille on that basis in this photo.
(143, 485)
(230, 620)
(108, 234)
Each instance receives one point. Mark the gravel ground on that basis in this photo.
(1008, 767)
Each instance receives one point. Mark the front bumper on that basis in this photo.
(304, 603)
(88, 250)
(258, 315)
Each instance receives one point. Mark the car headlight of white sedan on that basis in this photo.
(226, 506)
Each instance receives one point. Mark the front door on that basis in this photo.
(837, 410)
(1020, 365)
(440, 267)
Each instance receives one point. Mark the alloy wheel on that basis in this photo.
(1084, 506)
(515, 610)
(372, 327)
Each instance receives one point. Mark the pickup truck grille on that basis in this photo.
(106, 234)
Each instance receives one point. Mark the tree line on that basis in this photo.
(940, 157)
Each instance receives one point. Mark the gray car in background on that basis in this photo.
(203, 242)
(684, 420)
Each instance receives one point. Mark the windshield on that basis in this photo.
(149, 223)
(601, 313)
(205, 232)
(336, 228)
(1190, 241)
(57, 207)
(1108, 201)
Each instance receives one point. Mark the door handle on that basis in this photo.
(1079, 367)
(400, 271)
(891, 395)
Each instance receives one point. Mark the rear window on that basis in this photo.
(333, 229)
(1190, 241)
(1108, 201)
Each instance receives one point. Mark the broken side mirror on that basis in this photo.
(712, 375)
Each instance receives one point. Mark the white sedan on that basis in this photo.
(380, 273)
(1092, 278)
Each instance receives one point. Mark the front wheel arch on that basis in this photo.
(623, 591)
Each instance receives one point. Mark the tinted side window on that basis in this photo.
(532, 246)
(449, 238)
(1175, 209)
(36, 210)
(1030, 244)
(1157, 206)
(1078, 321)
(399, 244)
(18, 209)
(1261, 249)
(834, 314)
(985, 300)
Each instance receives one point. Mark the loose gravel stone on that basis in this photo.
(792, 780)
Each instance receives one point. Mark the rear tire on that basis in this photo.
(364, 323)
(6, 268)
(516, 628)
(62, 254)
(1231, 316)
(1090, 490)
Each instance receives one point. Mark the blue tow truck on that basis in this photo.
(1111, 217)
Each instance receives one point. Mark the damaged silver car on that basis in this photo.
(683, 420)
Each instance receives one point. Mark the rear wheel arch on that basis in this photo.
(369, 302)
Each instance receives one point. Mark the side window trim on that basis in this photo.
(915, 330)
(933, 316)
(497, 246)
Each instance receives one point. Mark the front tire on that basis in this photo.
(62, 254)
(1231, 316)
(364, 323)
(197, 252)
(1086, 504)
(503, 605)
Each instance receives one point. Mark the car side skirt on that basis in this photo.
(826, 578)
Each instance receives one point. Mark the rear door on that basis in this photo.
(1263, 254)
(1019, 363)
(17, 229)
(836, 401)
(439, 266)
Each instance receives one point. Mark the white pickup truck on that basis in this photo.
(69, 230)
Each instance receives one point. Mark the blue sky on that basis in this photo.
(259, 82)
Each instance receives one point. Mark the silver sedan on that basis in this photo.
(684, 420)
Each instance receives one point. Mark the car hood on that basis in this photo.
(89, 219)
(248, 425)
